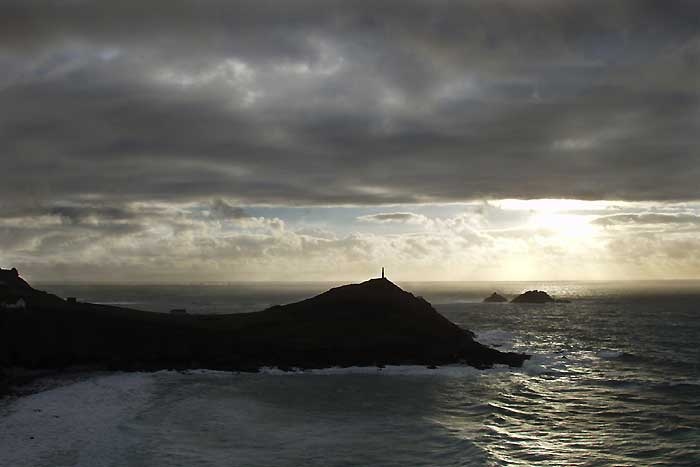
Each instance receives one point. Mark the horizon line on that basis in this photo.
(351, 281)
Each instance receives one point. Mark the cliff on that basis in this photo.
(372, 323)
(13, 287)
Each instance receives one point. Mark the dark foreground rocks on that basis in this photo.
(372, 323)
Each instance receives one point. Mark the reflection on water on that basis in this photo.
(614, 380)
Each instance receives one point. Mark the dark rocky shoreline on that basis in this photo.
(374, 323)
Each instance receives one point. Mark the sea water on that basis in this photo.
(614, 380)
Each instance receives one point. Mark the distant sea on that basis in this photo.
(614, 381)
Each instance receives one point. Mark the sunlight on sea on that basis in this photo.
(614, 380)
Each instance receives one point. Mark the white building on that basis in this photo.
(20, 304)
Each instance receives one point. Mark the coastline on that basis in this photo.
(371, 324)
(20, 382)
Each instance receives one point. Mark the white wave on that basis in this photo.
(534, 368)
(200, 371)
(390, 370)
(495, 338)
(540, 364)
(547, 363)
(118, 303)
(684, 382)
(76, 424)
(608, 353)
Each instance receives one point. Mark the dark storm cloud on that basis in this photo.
(76, 213)
(220, 209)
(79, 214)
(348, 102)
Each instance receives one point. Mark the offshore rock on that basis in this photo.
(533, 296)
(495, 298)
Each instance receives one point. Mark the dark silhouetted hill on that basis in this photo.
(13, 287)
(372, 323)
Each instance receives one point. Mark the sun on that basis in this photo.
(560, 218)
(563, 225)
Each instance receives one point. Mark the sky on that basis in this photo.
(186, 141)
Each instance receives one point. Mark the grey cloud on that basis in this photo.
(220, 209)
(348, 102)
(647, 218)
(399, 217)
(59, 229)
(79, 214)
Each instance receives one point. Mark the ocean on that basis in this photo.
(614, 381)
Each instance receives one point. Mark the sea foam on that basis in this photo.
(77, 424)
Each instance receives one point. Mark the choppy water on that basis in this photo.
(615, 380)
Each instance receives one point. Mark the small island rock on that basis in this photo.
(533, 296)
(495, 298)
